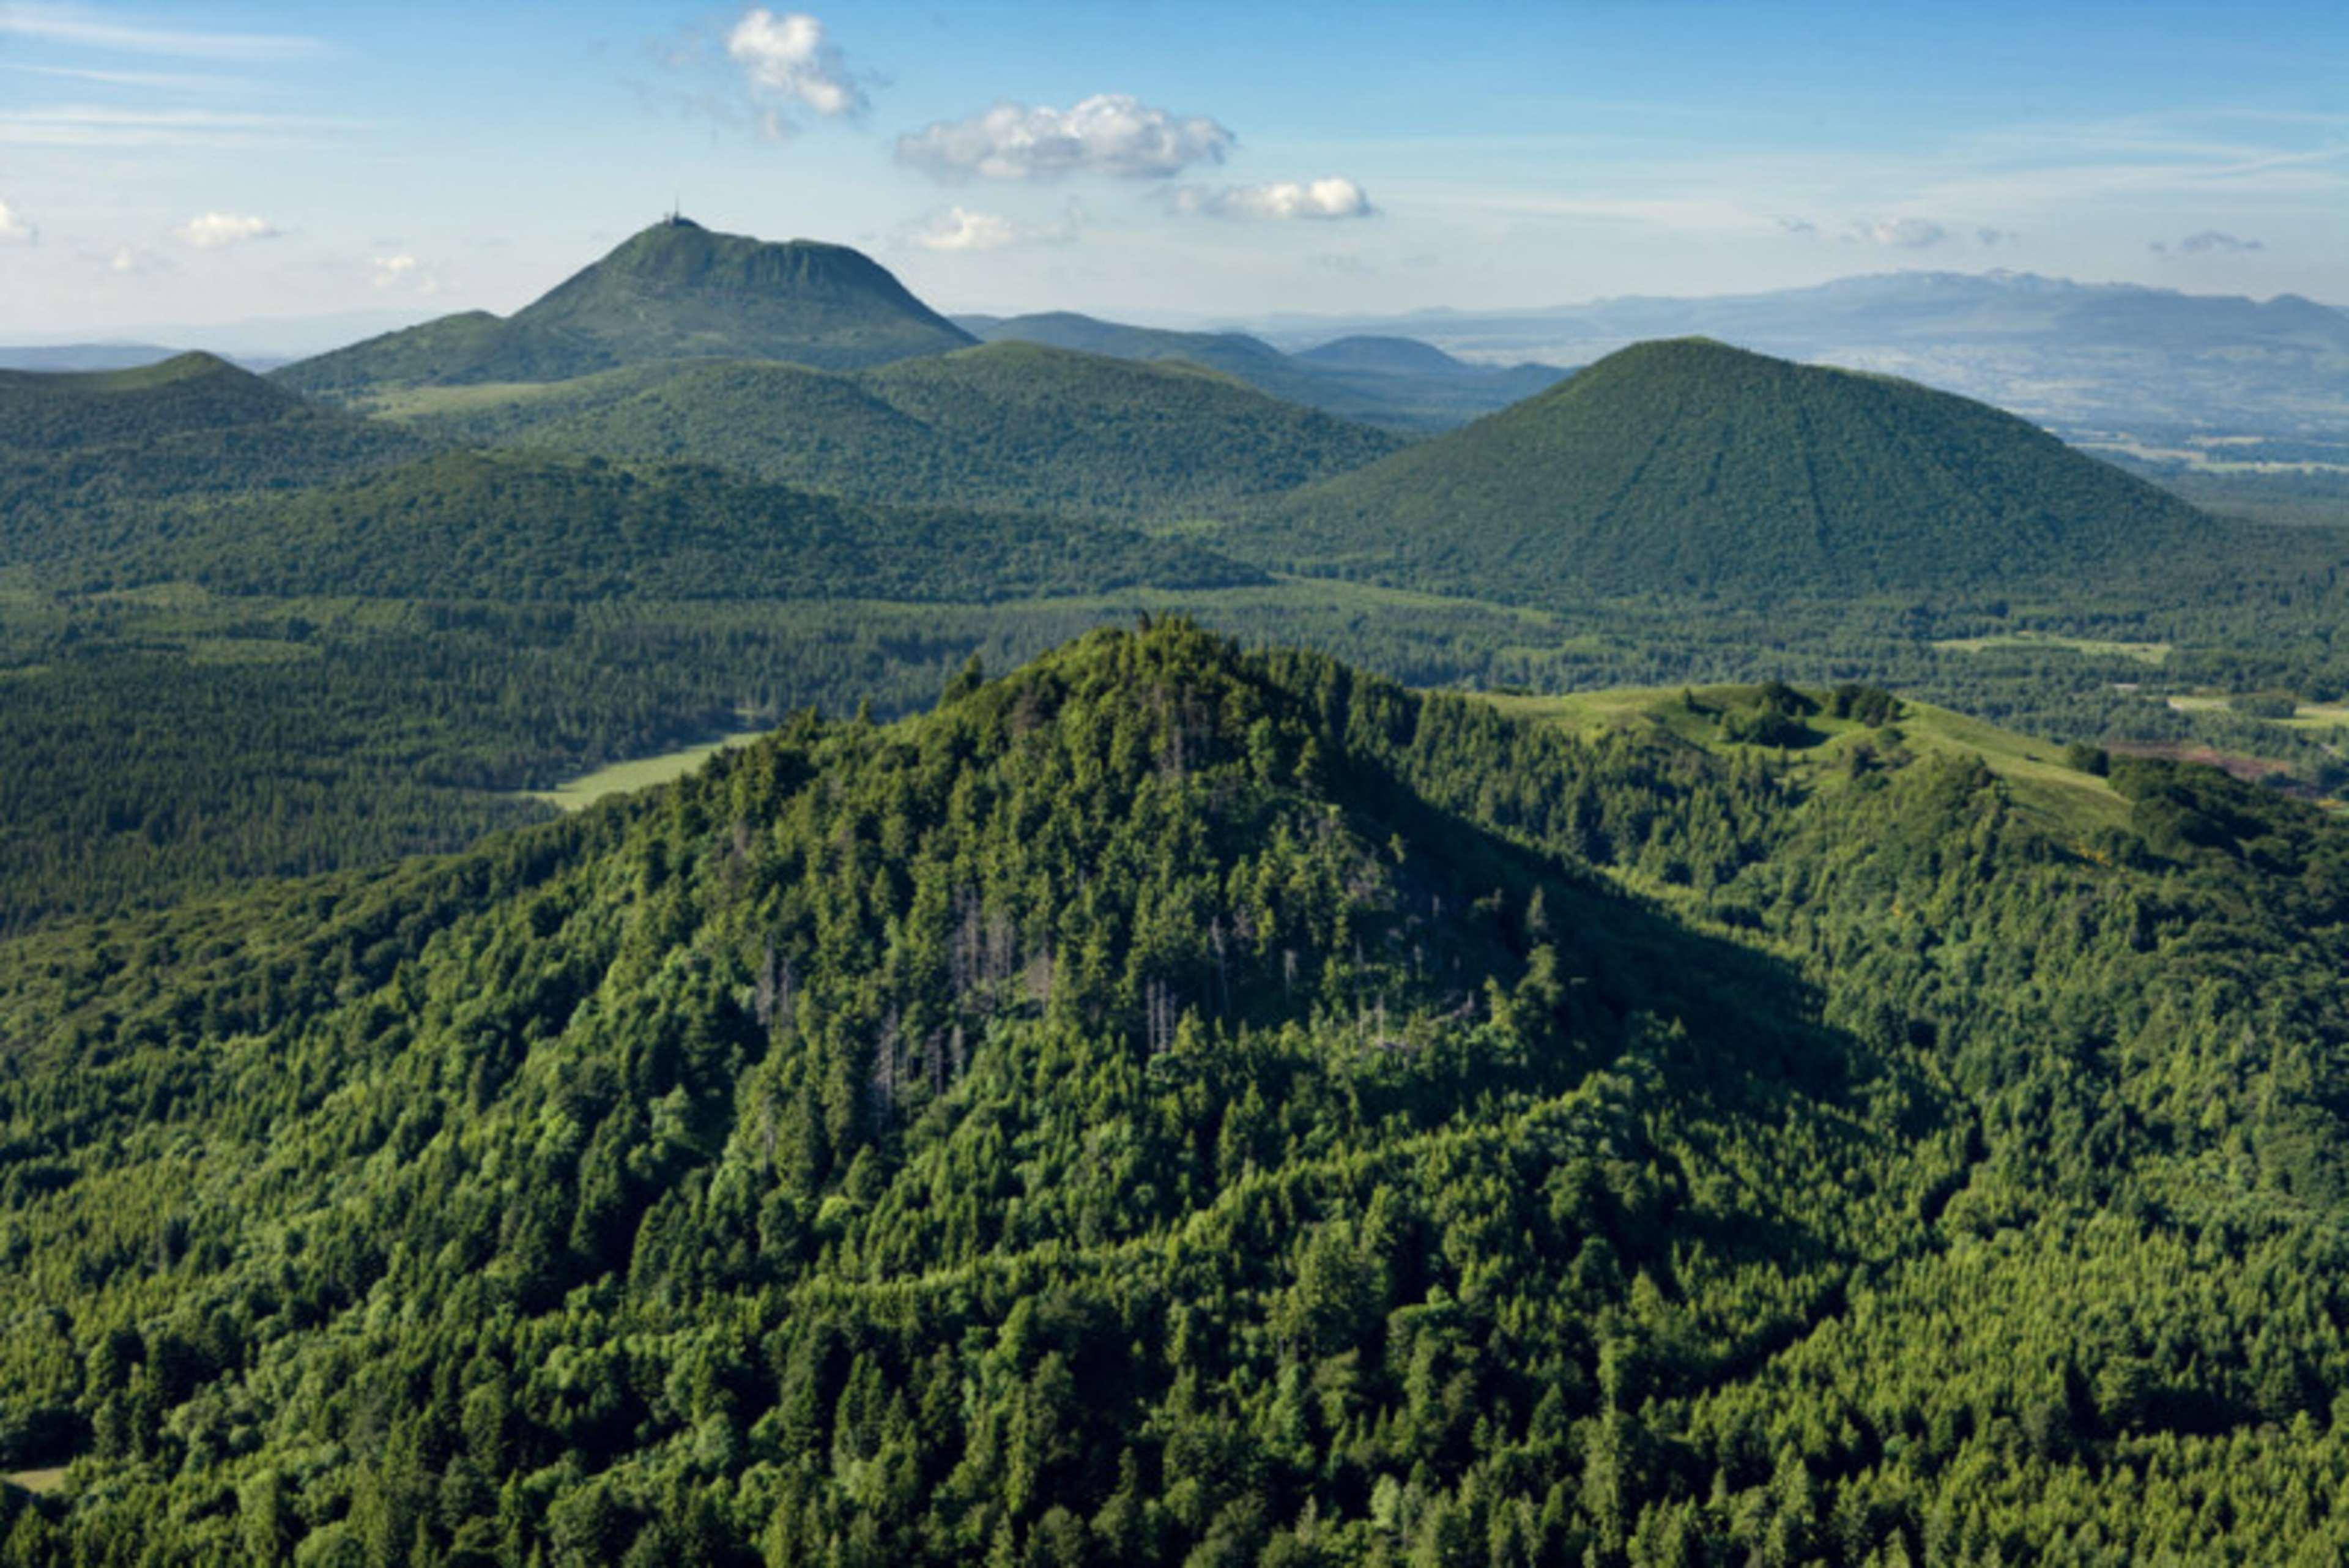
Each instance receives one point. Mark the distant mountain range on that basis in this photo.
(2113, 366)
(2085, 358)
(1395, 382)
(675, 292)
(1675, 469)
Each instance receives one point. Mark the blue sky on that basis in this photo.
(192, 163)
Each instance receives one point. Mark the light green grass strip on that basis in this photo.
(641, 773)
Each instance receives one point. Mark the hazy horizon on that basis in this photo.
(202, 164)
(309, 334)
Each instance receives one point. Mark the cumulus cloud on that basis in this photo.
(961, 229)
(210, 231)
(14, 228)
(1108, 133)
(1992, 238)
(2208, 243)
(1901, 233)
(788, 57)
(403, 271)
(1282, 199)
(1801, 228)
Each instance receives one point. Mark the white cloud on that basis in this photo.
(1901, 233)
(1990, 238)
(961, 229)
(210, 231)
(76, 26)
(1282, 199)
(1800, 228)
(786, 56)
(1108, 133)
(403, 271)
(14, 229)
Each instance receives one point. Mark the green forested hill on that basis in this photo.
(1007, 425)
(1683, 467)
(450, 350)
(44, 410)
(77, 446)
(518, 529)
(1185, 436)
(674, 291)
(1171, 1107)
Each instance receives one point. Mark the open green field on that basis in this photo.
(2078, 801)
(2312, 716)
(2143, 652)
(42, 1481)
(2319, 716)
(639, 772)
(418, 402)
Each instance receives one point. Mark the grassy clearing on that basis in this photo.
(2067, 800)
(2094, 648)
(42, 1481)
(2077, 800)
(1611, 708)
(2318, 716)
(641, 772)
(2314, 717)
(419, 402)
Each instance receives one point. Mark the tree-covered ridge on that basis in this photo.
(1688, 467)
(1008, 425)
(44, 410)
(520, 528)
(81, 450)
(1175, 1106)
(673, 291)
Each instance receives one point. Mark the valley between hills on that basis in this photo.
(1325, 957)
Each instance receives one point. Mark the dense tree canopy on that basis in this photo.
(1184, 1101)
(1010, 425)
(1692, 468)
(1175, 1106)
